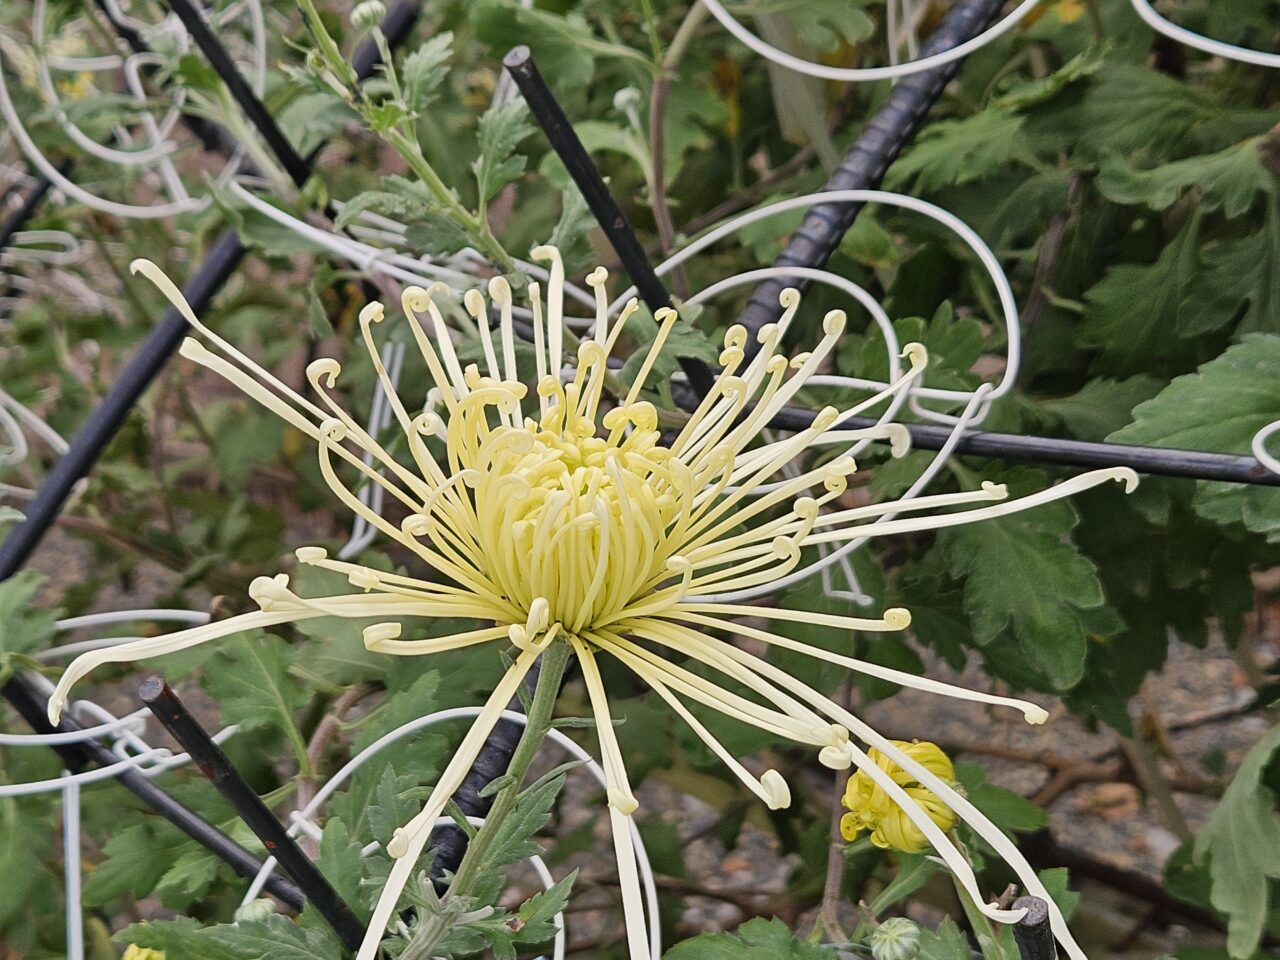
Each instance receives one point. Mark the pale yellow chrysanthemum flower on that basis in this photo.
(134, 952)
(563, 517)
(871, 808)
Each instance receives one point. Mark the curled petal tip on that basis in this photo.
(1127, 476)
(789, 297)
(377, 633)
(997, 491)
(898, 617)
(916, 353)
(665, 314)
(1035, 715)
(398, 845)
(597, 277)
(311, 554)
(833, 323)
(325, 367)
(622, 801)
(500, 290)
(835, 758)
(140, 264)
(776, 790)
(56, 703)
(474, 301)
(899, 440)
(372, 312)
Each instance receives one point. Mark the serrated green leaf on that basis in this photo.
(945, 943)
(438, 237)
(25, 626)
(1242, 272)
(1020, 573)
(1008, 810)
(1219, 408)
(1135, 306)
(249, 677)
(133, 863)
(501, 129)
(757, 939)
(955, 152)
(1231, 179)
(1102, 406)
(1242, 842)
(340, 860)
(425, 69)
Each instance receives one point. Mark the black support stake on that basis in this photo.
(559, 131)
(864, 166)
(98, 430)
(77, 756)
(213, 763)
(1032, 933)
(295, 165)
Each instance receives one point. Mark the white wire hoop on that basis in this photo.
(865, 74)
(1197, 41)
(303, 820)
(147, 147)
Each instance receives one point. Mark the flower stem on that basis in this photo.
(555, 660)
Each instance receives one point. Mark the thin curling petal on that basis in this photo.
(579, 521)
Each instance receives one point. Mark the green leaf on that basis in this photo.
(955, 152)
(1008, 810)
(425, 69)
(1219, 408)
(25, 624)
(946, 943)
(1242, 842)
(1230, 179)
(277, 938)
(512, 842)
(757, 939)
(339, 861)
(1102, 406)
(439, 237)
(1242, 272)
(1021, 574)
(409, 206)
(501, 128)
(1135, 306)
(133, 863)
(249, 677)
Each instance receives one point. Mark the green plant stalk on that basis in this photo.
(555, 660)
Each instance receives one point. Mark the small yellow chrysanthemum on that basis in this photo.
(135, 952)
(870, 808)
(567, 518)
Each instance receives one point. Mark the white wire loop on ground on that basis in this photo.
(303, 820)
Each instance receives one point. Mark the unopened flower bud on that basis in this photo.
(368, 14)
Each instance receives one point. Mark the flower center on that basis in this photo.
(574, 517)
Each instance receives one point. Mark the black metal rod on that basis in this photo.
(864, 166)
(88, 444)
(31, 706)
(222, 773)
(1032, 933)
(294, 164)
(24, 211)
(564, 140)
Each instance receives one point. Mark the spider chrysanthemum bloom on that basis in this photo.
(560, 515)
(871, 808)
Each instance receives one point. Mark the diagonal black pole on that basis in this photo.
(560, 134)
(222, 773)
(296, 166)
(864, 166)
(85, 448)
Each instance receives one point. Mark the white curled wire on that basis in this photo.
(14, 447)
(1008, 303)
(863, 74)
(1259, 446)
(303, 820)
(1217, 48)
(154, 149)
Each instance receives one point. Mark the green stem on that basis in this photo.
(555, 660)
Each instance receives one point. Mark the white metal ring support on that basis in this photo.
(1217, 48)
(558, 737)
(863, 74)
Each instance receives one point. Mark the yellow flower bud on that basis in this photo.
(142, 953)
(871, 808)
